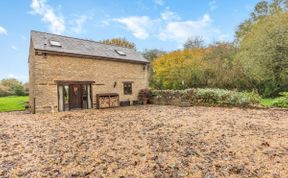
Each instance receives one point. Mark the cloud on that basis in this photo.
(180, 31)
(3, 31)
(170, 27)
(169, 15)
(159, 2)
(56, 22)
(23, 78)
(138, 25)
(14, 47)
(78, 23)
(212, 5)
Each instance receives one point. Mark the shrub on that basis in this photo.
(19, 90)
(210, 97)
(144, 96)
(281, 101)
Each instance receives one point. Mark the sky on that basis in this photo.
(161, 24)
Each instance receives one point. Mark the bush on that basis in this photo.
(209, 97)
(19, 90)
(281, 101)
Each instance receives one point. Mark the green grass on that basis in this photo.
(12, 103)
(267, 102)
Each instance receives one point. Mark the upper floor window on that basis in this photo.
(127, 88)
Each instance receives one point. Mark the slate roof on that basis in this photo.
(82, 47)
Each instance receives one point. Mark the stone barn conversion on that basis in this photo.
(68, 73)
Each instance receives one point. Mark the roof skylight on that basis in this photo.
(121, 53)
(55, 43)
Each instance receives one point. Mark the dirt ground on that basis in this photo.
(146, 141)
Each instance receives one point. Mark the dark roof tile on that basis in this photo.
(77, 46)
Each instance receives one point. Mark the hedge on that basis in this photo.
(207, 97)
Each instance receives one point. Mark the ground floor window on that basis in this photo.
(127, 88)
(74, 96)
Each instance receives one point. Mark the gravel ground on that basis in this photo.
(146, 141)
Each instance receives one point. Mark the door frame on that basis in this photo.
(64, 83)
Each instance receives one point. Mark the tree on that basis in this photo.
(194, 42)
(263, 54)
(261, 10)
(120, 42)
(150, 55)
(181, 69)
(221, 69)
(4, 91)
(12, 86)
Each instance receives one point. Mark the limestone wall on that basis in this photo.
(45, 69)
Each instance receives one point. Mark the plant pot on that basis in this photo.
(145, 101)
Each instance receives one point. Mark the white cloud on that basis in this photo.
(23, 78)
(159, 2)
(14, 47)
(213, 5)
(104, 22)
(78, 23)
(170, 27)
(169, 15)
(180, 31)
(3, 31)
(57, 23)
(138, 25)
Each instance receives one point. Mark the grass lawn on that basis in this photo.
(12, 103)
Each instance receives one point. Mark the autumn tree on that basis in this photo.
(181, 69)
(120, 42)
(194, 42)
(221, 68)
(150, 55)
(263, 54)
(261, 10)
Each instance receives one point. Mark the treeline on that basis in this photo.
(11, 86)
(256, 61)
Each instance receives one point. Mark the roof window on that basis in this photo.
(121, 53)
(55, 43)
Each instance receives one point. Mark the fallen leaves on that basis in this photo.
(145, 141)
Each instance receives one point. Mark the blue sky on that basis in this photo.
(162, 24)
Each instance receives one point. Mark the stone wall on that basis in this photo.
(46, 68)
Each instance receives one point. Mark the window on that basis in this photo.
(127, 88)
(55, 43)
(121, 53)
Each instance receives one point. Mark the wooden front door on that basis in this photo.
(75, 96)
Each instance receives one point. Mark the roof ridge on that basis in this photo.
(82, 39)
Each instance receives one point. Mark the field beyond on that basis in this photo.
(146, 141)
(13, 103)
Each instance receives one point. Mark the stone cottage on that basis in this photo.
(68, 73)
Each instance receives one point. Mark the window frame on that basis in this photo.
(131, 88)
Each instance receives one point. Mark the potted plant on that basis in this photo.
(144, 96)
